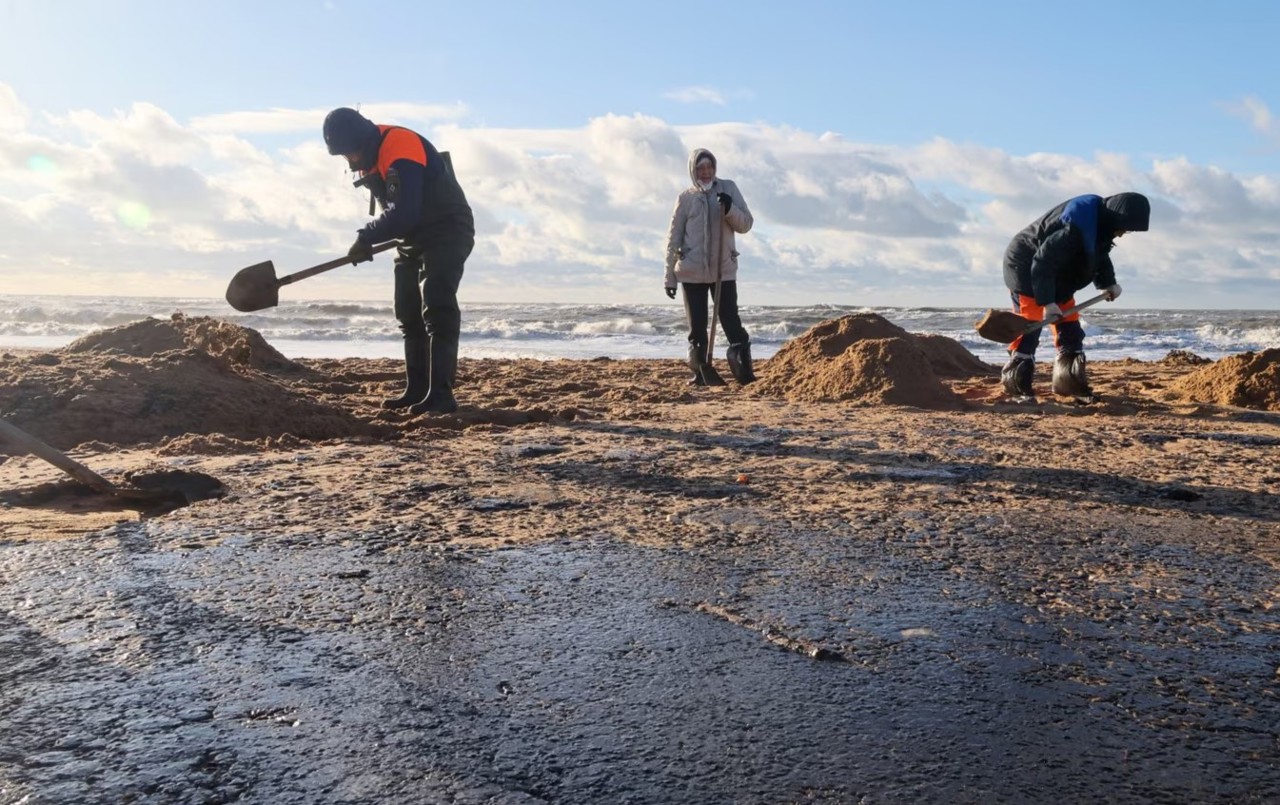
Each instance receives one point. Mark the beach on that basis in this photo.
(866, 577)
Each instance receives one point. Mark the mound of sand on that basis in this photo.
(864, 358)
(1184, 357)
(1249, 380)
(950, 359)
(237, 345)
(153, 380)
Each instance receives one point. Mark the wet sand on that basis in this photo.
(596, 583)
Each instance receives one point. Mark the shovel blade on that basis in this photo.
(1002, 326)
(254, 288)
(708, 376)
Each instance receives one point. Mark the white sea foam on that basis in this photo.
(353, 328)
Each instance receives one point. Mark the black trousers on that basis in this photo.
(696, 295)
(426, 290)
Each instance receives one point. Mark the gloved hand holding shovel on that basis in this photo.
(1004, 326)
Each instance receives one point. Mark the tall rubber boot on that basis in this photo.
(1017, 375)
(444, 367)
(1070, 378)
(739, 357)
(415, 375)
(696, 351)
(704, 374)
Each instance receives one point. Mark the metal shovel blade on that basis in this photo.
(254, 288)
(1002, 326)
(257, 287)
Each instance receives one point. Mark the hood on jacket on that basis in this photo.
(694, 156)
(1130, 212)
(347, 132)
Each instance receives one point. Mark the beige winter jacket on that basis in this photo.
(700, 230)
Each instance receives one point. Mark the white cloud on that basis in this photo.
(1211, 196)
(270, 121)
(1257, 113)
(1037, 179)
(138, 202)
(698, 94)
(14, 115)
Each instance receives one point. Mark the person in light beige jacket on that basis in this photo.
(701, 251)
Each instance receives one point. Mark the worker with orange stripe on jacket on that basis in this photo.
(1046, 263)
(424, 208)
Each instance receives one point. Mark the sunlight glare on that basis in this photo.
(134, 214)
(42, 164)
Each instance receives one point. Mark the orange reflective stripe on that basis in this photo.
(1029, 310)
(398, 143)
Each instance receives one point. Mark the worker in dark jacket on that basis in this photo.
(1068, 248)
(424, 208)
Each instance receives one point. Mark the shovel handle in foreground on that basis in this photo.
(1003, 326)
(257, 286)
(19, 437)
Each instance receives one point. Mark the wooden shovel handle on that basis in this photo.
(715, 296)
(329, 266)
(1036, 325)
(61, 460)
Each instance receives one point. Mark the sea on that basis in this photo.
(347, 329)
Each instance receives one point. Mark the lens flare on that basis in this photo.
(134, 214)
(42, 164)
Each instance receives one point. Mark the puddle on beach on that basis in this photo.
(336, 666)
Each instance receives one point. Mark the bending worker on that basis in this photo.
(1065, 250)
(424, 208)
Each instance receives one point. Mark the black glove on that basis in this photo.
(360, 251)
(725, 200)
(671, 293)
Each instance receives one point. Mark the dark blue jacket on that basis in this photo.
(421, 200)
(1070, 246)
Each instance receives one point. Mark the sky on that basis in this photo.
(887, 150)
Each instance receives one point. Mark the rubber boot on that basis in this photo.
(444, 367)
(739, 357)
(1070, 378)
(704, 374)
(696, 351)
(415, 375)
(1017, 375)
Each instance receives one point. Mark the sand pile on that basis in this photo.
(950, 359)
(865, 358)
(1249, 380)
(234, 344)
(1184, 357)
(149, 380)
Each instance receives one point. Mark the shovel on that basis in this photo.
(1005, 326)
(19, 437)
(256, 287)
(707, 372)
